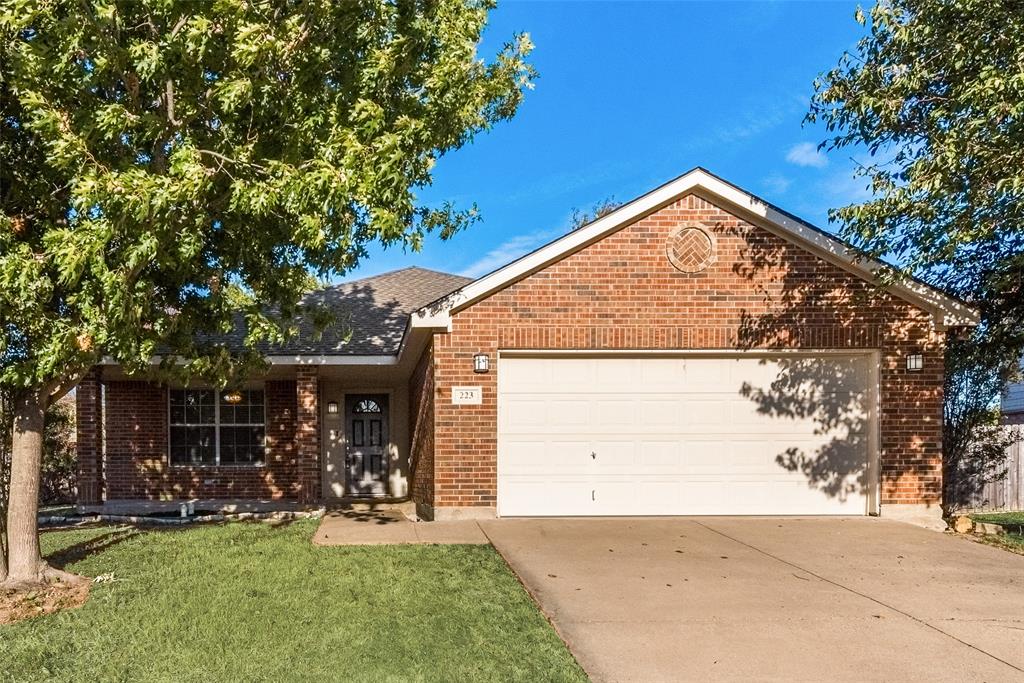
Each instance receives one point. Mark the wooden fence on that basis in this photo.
(1008, 492)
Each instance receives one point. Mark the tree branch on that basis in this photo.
(229, 160)
(169, 102)
(181, 23)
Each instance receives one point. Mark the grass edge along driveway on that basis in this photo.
(1014, 542)
(250, 601)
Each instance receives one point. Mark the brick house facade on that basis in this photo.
(623, 293)
(695, 267)
(136, 450)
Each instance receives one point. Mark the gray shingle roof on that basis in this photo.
(371, 313)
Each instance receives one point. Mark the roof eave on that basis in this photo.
(300, 359)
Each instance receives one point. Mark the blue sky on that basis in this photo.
(630, 95)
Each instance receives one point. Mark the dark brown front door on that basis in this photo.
(366, 424)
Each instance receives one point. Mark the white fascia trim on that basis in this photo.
(948, 311)
(301, 359)
(314, 359)
(684, 353)
(439, 320)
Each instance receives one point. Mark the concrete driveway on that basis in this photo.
(857, 599)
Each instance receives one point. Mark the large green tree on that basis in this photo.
(935, 92)
(170, 167)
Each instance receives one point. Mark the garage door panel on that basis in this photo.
(660, 373)
(569, 375)
(739, 435)
(660, 412)
(614, 456)
(526, 457)
(562, 496)
(611, 496)
(612, 412)
(526, 414)
(573, 412)
(661, 455)
(710, 413)
(615, 372)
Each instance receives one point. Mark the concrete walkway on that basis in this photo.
(389, 527)
(861, 599)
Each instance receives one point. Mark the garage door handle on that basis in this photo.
(592, 495)
(593, 455)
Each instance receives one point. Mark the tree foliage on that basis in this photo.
(935, 92)
(936, 89)
(168, 164)
(172, 169)
(580, 218)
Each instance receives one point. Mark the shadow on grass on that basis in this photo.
(79, 551)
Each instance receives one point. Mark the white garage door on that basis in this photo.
(740, 435)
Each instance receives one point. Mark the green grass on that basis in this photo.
(257, 603)
(1013, 542)
(1000, 517)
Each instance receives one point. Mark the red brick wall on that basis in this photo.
(307, 435)
(136, 450)
(88, 414)
(623, 293)
(421, 428)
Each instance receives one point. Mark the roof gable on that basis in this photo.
(946, 311)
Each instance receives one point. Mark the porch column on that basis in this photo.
(88, 415)
(307, 432)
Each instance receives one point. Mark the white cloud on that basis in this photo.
(842, 189)
(506, 252)
(806, 154)
(776, 183)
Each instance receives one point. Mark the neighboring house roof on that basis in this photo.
(371, 314)
(947, 310)
(1013, 399)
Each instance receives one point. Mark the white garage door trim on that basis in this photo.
(871, 359)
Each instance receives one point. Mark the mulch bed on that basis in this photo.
(16, 605)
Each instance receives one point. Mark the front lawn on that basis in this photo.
(254, 602)
(1013, 542)
(999, 517)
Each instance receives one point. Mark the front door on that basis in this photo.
(366, 425)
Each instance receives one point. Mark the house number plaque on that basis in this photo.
(467, 396)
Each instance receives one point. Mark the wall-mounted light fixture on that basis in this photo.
(915, 362)
(481, 363)
(233, 397)
(332, 407)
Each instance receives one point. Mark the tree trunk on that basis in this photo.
(3, 559)
(25, 565)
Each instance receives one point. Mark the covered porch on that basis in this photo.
(341, 414)
(310, 431)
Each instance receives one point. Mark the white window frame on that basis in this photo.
(216, 430)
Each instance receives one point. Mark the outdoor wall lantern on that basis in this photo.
(481, 363)
(233, 397)
(332, 407)
(915, 362)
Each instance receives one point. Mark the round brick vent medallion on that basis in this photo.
(691, 249)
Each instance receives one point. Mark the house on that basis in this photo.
(696, 351)
(1012, 403)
